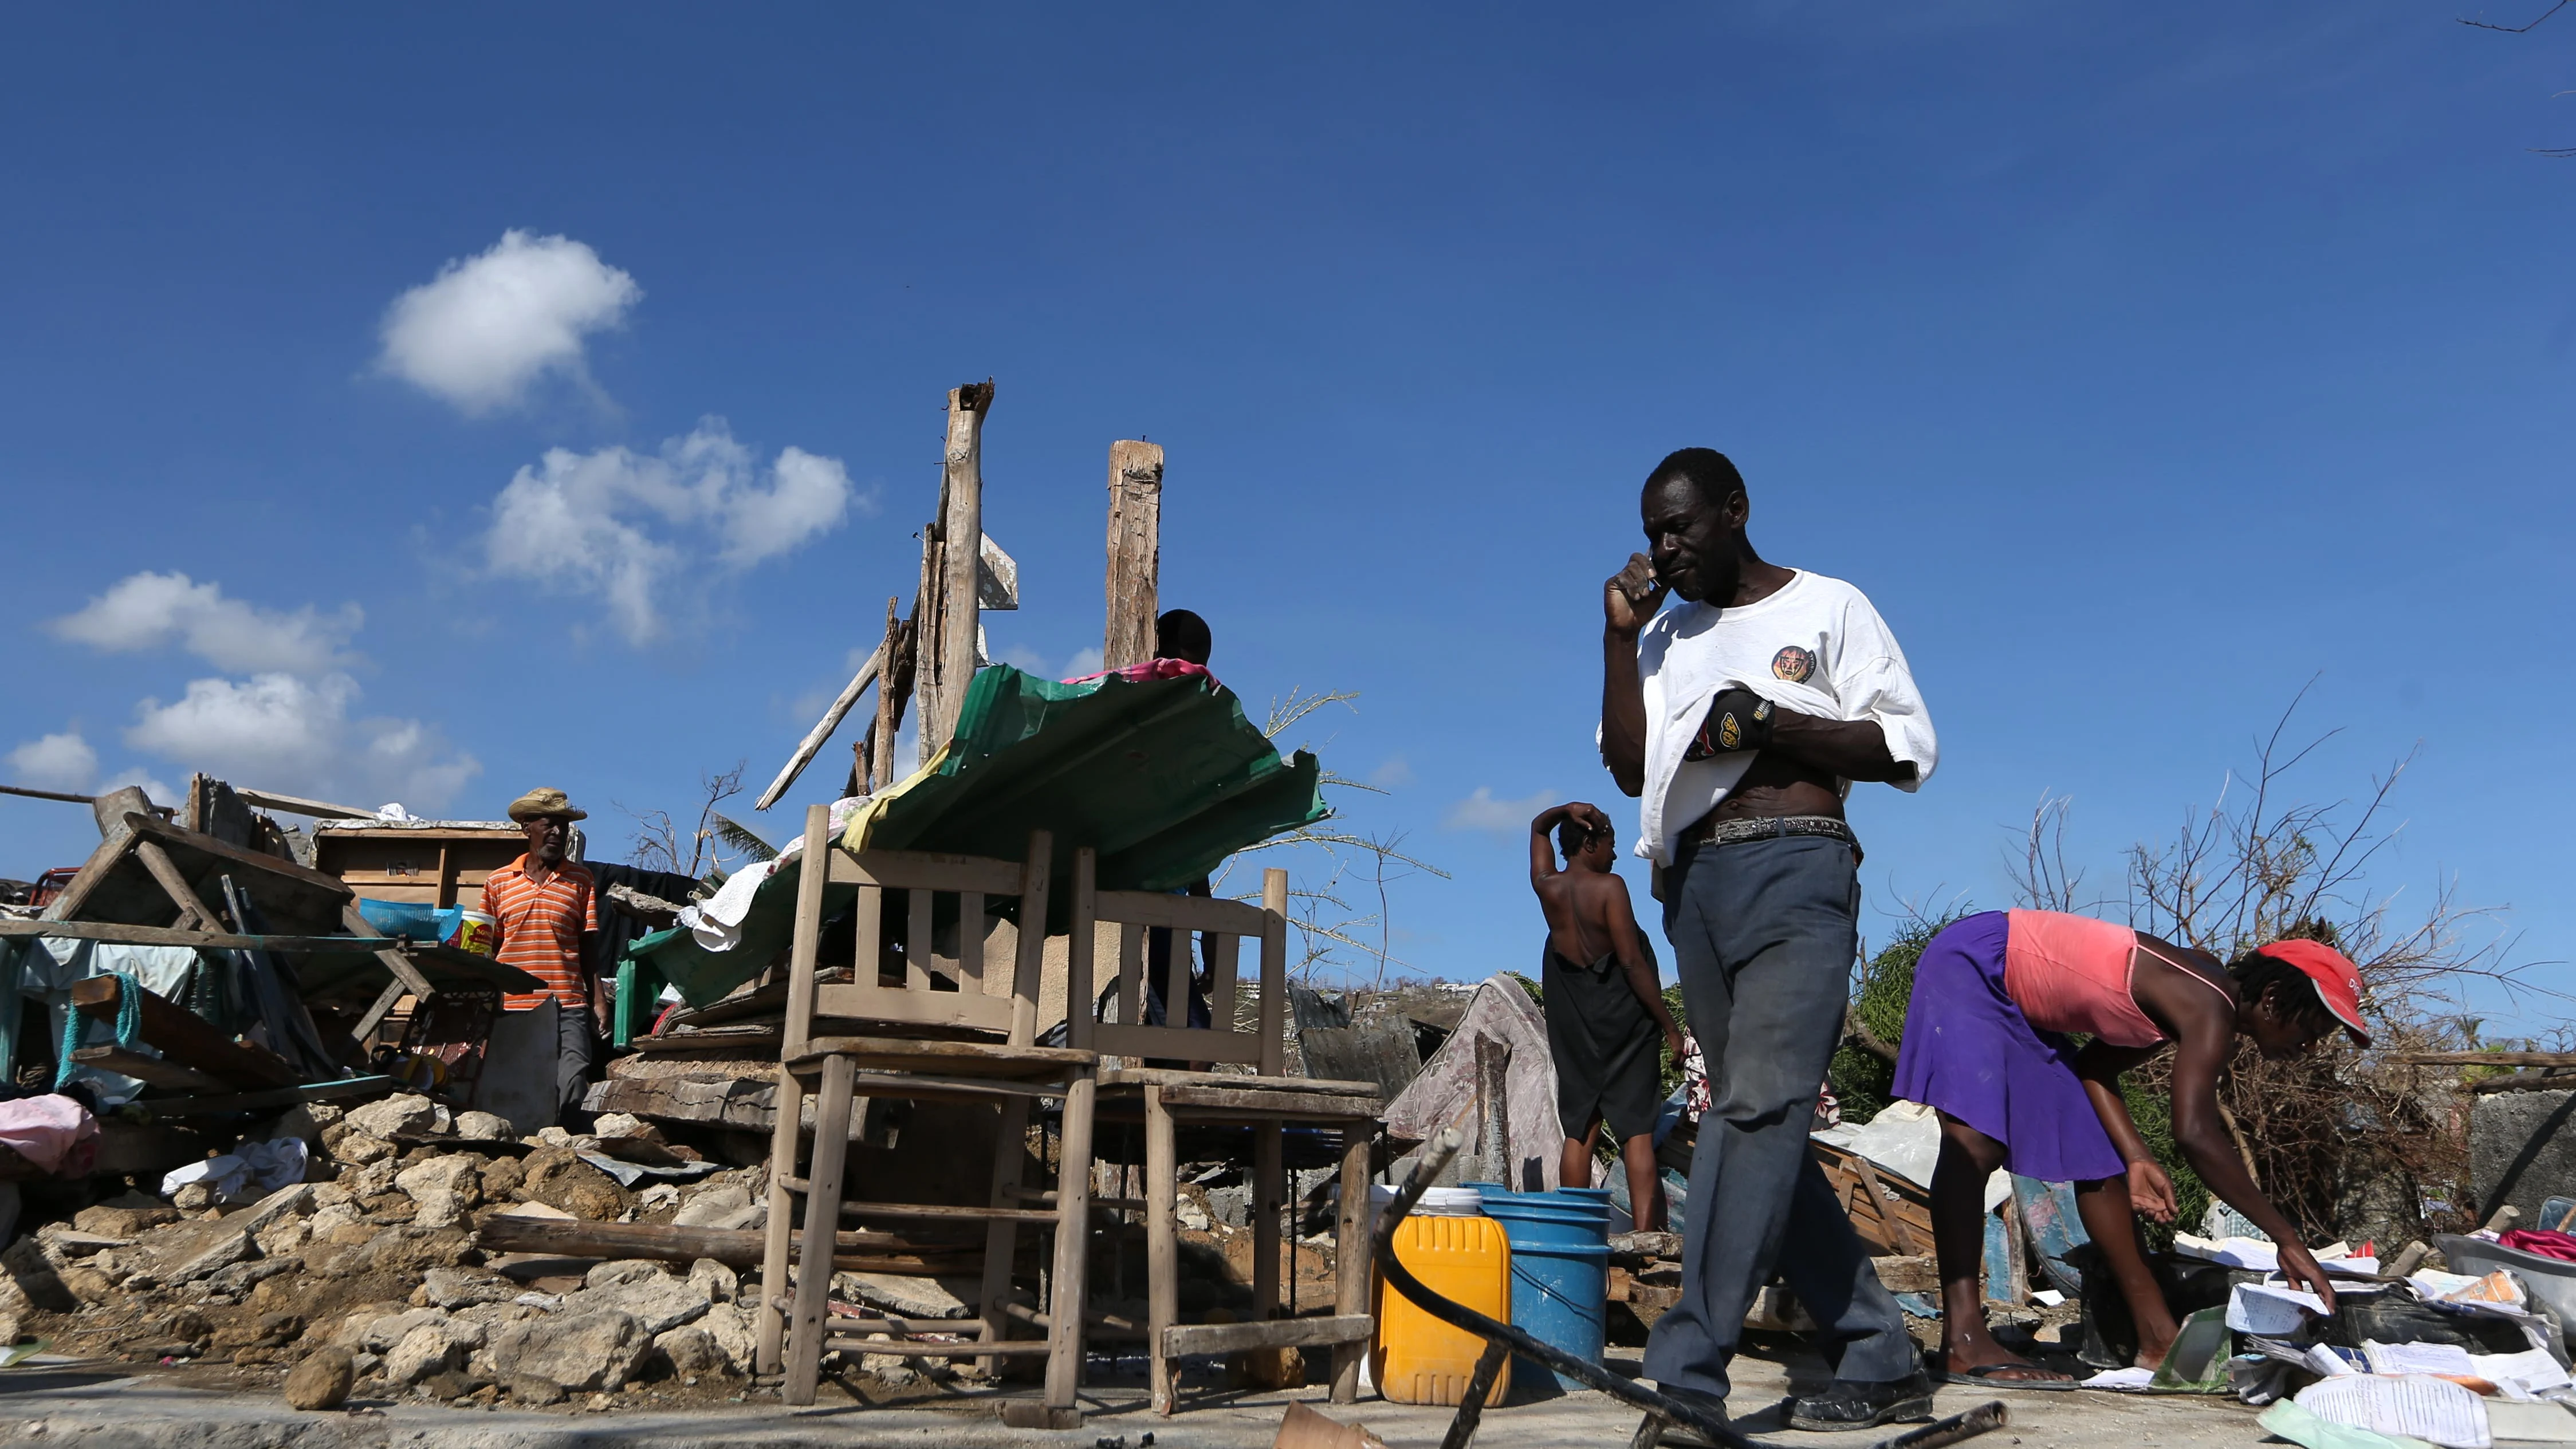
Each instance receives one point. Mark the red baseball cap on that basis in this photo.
(2338, 980)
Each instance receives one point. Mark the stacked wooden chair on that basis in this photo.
(1265, 1098)
(951, 1029)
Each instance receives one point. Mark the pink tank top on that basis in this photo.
(2071, 973)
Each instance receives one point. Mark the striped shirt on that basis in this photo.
(541, 928)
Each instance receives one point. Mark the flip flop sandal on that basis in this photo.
(1989, 1376)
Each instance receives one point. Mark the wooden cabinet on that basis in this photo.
(440, 865)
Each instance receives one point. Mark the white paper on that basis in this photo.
(2047, 1297)
(2427, 1408)
(2273, 1312)
(2418, 1358)
(2326, 1361)
(2121, 1378)
(2233, 1252)
(2532, 1370)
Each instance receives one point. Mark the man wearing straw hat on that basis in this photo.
(544, 903)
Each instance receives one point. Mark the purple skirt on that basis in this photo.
(1969, 1051)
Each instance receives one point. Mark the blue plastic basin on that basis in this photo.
(1560, 1272)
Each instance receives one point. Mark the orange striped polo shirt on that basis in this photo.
(541, 928)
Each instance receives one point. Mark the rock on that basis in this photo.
(458, 1173)
(572, 1350)
(373, 1180)
(395, 1116)
(730, 1327)
(623, 1124)
(554, 1137)
(284, 1239)
(688, 1352)
(530, 1389)
(27, 1266)
(453, 1288)
(201, 1255)
(123, 1222)
(557, 1178)
(727, 1206)
(357, 1149)
(501, 1178)
(659, 1304)
(659, 1195)
(722, 1283)
(192, 1198)
(1190, 1215)
(482, 1127)
(380, 1332)
(426, 1350)
(328, 1194)
(87, 1284)
(902, 1296)
(326, 1221)
(436, 1209)
(322, 1380)
(289, 1201)
(625, 1270)
(236, 1281)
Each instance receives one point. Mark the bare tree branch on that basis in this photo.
(2523, 29)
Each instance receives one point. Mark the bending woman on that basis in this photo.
(1995, 996)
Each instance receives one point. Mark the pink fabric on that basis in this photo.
(49, 1132)
(2071, 973)
(1152, 669)
(2543, 1242)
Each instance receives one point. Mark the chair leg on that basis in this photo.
(1269, 1189)
(1001, 1238)
(1066, 1299)
(769, 1317)
(1351, 1248)
(1162, 1244)
(822, 1224)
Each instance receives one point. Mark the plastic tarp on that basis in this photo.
(1164, 778)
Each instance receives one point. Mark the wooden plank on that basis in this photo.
(1176, 1077)
(924, 870)
(65, 798)
(854, 1251)
(1028, 967)
(1131, 978)
(293, 805)
(165, 873)
(971, 925)
(822, 730)
(1339, 1328)
(1135, 552)
(1065, 1284)
(1351, 1248)
(891, 692)
(1080, 947)
(2484, 1059)
(1274, 972)
(128, 935)
(186, 1039)
(180, 841)
(1269, 1190)
(927, 600)
(97, 878)
(151, 1071)
(916, 939)
(271, 1099)
(915, 1348)
(961, 547)
(1186, 913)
(914, 1007)
(976, 1056)
(823, 1190)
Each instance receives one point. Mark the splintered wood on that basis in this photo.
(1135, 551)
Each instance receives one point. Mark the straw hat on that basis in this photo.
(545, 800)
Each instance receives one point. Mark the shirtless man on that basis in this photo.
(1604, 1005)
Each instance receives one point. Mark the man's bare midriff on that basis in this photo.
(1776, 785)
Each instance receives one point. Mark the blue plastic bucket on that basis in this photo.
(1560, 1272)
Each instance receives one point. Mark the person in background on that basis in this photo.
(1180, 634)
(545, 904)
(1605, 1005)
(1740, 720)
(1986, 1047)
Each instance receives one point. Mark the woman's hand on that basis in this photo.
(2150, 1191)
(2300, 1267)
(1674, 1043)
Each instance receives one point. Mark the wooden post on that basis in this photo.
(925, 639)
(894, 681)
(961, 536)
(813, 872)
(1065, 1287)
(1162, 1245)
(1135, 552)
(822, 1216)
(1351, 1247)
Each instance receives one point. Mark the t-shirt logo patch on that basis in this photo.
(1794, 664)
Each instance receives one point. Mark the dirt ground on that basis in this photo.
(115, 1407)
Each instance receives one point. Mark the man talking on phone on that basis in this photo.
(1740, 719)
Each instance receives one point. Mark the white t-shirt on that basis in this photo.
(1815, 646)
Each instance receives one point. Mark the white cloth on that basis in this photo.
(1814, 646)
(251, 1169)
(716, 923)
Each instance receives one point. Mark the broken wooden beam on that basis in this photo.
(185, 1038)
(855, 1252)
(822, 730)
(1135, 552)
(292, 805)
(150, 1071)
(125, 935)
(961, 564)
(272, 1099)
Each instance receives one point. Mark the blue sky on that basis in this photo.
(2141, 364)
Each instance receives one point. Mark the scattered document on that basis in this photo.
(2271, 1310)
(2418, 1358)
(2527, 1374)
(2335, 1362)
(2129, 1379)
(2431, 1409)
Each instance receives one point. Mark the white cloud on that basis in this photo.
(1084, 661)
(1395, 774)
(151, 611)
(630, 527)
(159, 792)
(1481, 811)
(487, 327)
(1080, 663)
(280, 732)
(54, 762)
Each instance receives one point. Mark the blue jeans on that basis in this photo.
(1763, 936)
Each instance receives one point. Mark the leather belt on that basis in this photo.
(1712, 830)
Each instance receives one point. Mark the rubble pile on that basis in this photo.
(368, 1280)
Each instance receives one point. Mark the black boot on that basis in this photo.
(1864, 1404)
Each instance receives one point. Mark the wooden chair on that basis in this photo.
(947, 1031)
(1265, 1098)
